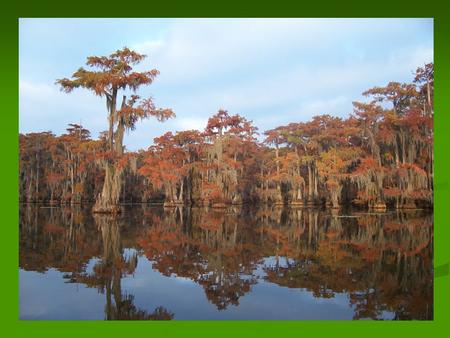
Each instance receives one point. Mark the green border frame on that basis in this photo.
(12, 326)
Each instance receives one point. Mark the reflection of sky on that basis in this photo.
(48, 296)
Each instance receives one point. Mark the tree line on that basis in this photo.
(381, 156)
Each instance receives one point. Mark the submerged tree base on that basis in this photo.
(407, 205)
(378, 206)
(219, 205)
(111, 209)
(174, 204)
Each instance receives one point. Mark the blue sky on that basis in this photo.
(272, 71)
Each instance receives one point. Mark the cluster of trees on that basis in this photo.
(382, 261)
(59, 168)
(380, 156)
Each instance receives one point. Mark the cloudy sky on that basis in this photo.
(272, 71)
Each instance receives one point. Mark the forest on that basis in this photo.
(379, 157)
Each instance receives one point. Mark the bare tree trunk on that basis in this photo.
(37, 177)
(108, 200)
(310, 185)
(111, 105)
(180, 196)
(72, 186)
(335, 198)
(316, 190)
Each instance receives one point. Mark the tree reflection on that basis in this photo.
(106, 274)
(382, 262)
(210, 251)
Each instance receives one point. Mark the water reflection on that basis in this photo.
(248, 263)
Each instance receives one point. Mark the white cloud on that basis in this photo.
(43, 107)
(34, 91)
(150, 46)
(409, 60)
(195, 49)
(299, 85)
(190, 123)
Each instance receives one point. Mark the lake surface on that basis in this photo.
(238, 263)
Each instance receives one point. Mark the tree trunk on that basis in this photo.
(310, 185)
(30, 188)
(180, 196)
(72, 186)
(316, 190)
(107, 201)
(118, 134)
(429, 95)
(111, 105)
(335, 198)
(37, 178)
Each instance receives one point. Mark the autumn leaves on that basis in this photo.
(381, 156)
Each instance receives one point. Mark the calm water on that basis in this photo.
(240, 263)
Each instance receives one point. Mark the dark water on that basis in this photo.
(154, 263)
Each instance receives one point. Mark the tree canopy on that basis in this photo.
(380, 156)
